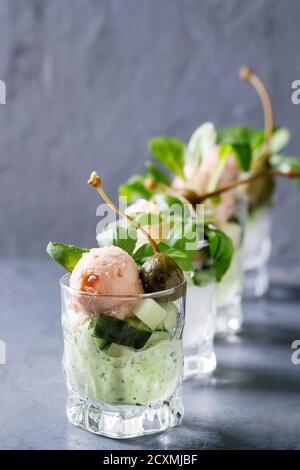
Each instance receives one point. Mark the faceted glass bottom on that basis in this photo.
(256, 282)
(229, 318)
(199, 331)
(256, 252)
(124, 421)
(199, 361)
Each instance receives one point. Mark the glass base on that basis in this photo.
(124, 421)
(199, 361)
(256, 282)
(196, 366)
(229, 319)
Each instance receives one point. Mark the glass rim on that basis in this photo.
(64, 284)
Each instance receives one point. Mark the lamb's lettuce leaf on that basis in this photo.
(221, 250)
(157, 174)
(241, 135)
(134, 188)
(169, 151)
(65, 255)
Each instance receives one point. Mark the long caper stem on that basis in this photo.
(95, 181)
(243, 181)
(247, 74)
(195, 198)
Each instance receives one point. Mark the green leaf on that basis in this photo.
(157, 174)
(255, 138)
(142, 253)
(201, 143)
(122, 234)
(66, 255)
(280, 139)
(241, 135)
(224, 154)
(170, 152)
(184, 236)
(242, 153)
(184, 259)
(286, 163)
(221, 250)
(135, 188)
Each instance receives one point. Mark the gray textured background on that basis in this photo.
(88, 82)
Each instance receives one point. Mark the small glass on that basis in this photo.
(118, 391)
(199, 330)
(229, 317)
(256, 252)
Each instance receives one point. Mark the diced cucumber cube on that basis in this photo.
(170, 320)
(156, 337)
(160, 327)
(117, 350)
(100, 343)
(150, 313)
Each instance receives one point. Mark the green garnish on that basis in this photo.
(65, 255)
(221, 250)
(169, 151)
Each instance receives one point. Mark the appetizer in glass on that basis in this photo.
(200, 169)
(265, 162)
(122, 322)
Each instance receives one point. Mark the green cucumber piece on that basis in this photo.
(150, 313)
(170, 320)
(117, 350)
(156, 337)
(100, 343)
(130, 332)
(160, 327)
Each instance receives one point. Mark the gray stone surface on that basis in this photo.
(252, 402)
(88, 82)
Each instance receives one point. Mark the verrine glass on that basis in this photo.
(229, 316)
(123, 378)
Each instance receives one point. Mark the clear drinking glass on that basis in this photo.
(229, 316)
(116, 390)
(256, 252)
(199, 330)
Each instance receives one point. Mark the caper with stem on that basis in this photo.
(159, 272)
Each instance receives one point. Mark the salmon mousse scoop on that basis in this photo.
(107, 271)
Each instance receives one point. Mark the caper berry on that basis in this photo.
(160, 272)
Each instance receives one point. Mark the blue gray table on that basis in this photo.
(251, 402)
